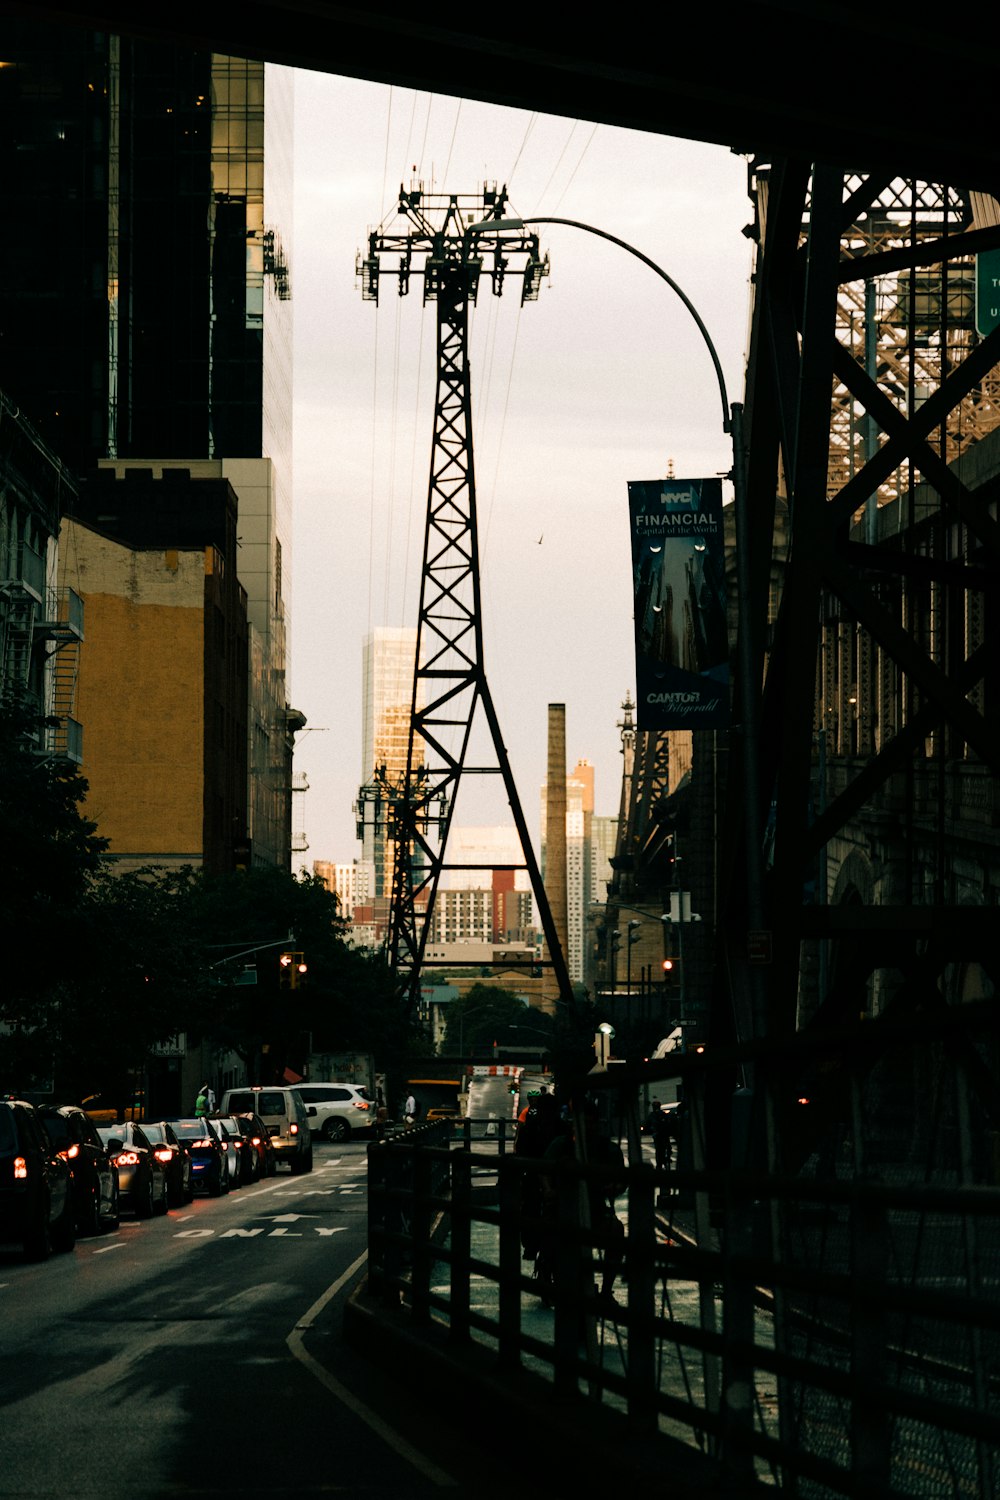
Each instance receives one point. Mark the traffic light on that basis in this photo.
(671, 973)
(292, 971)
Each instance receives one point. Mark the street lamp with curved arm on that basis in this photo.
(603, 234)
(732, 423)
(461, 1025)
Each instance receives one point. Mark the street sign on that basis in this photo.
(680, 906)
(759, 946)
(987, 291)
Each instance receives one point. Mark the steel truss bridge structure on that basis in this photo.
(877, 662)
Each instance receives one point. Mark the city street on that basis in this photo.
(200, 1355)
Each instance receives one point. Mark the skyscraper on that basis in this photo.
(387, 672)
(579, 859)
(145, 319)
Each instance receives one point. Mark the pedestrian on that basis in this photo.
(209, 1099)
(538, 1125)
(593, 1147)
(201, 1103)
(658, 1126)
(409, 1111)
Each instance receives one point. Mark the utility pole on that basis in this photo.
(441, 241)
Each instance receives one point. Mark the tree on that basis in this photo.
(140, 979)
(347, 1001)
(51, 852)
(485, 1014)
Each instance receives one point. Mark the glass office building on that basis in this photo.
(134, 308)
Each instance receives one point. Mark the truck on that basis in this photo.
(345, 1067)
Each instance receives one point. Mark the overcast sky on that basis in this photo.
(603, 380)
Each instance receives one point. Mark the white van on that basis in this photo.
(286, 1118)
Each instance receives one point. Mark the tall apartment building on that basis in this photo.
(145, 319)
(494, 914)
(351, 883)
(603, 839)
(41, 626)
(387, 672)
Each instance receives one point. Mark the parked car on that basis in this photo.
(36, 1187)
(93, 1173)
(342, 1109)
(260, 1140)
(175, 1159)
(285, 1116)
(249, 1159)
(209, 1171)
(142, 1182)
(232, 1146)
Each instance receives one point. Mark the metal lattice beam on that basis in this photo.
(443, 244)
(880, 723)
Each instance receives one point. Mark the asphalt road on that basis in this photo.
(201, 1354)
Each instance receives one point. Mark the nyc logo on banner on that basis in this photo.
(678, 576)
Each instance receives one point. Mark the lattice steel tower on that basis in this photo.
(447, 241)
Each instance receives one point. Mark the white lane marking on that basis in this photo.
(296, 1346)
(105, 1248)
(250, 1234)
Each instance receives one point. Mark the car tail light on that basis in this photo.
(164, 1154)
(293, 1130)
(205, 1141)
(20, 1168)
(256, 1140)
(127, 1159)
(359, 1104)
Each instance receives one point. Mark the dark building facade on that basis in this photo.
(145, 316)
(167, 656)
(134, 172)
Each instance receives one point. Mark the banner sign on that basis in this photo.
(678, 575)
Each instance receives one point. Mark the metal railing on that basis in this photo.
(829, 1329)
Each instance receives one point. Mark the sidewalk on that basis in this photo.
(592, 1429)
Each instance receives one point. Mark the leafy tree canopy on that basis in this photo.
(486, 1014)
(50, 851)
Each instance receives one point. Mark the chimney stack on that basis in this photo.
(555, 843)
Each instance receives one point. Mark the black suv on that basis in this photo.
(36, 1192)
(95, 1176)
